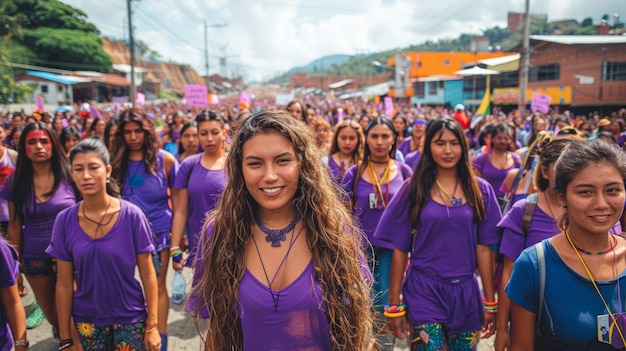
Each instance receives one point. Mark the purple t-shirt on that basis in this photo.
(204, 187)
(494, 176)
(38, 220)
(9, 269)
(150, 192)
(444, 247)
(405, 147)
(542, 226)
(106, 289)
(369, 217)
(413, 158)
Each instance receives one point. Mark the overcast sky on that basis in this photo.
(263, 38)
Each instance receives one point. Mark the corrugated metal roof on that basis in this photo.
(340, 83)
(496, 61)
(581, 39)
(57, 78)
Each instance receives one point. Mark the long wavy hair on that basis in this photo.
(120, 151)
(423, 180)
(357, 154)
(366, 152)
(22, 186)
(334, 241)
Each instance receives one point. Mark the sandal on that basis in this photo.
(35, 318)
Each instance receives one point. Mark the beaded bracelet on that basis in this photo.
(393, 311)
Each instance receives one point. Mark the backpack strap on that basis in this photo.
(529, 211)
(541, 263)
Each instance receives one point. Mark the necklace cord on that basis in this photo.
(593, 281)
(276, 296)
(99, 223)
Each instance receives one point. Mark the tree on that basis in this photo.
(587, 22)
(69, 49)
(59, 34)
(11, 92)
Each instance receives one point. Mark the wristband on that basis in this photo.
(64, 344)
(22, 342)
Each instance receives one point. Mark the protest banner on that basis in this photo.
(196, 95)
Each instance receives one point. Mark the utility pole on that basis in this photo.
(525, 62)
(133, 93)
(206, 56)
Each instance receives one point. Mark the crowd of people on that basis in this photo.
(321, 226)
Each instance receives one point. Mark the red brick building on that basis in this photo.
(593, 66)
(303, 80)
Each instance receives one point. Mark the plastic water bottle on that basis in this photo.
(178, 288)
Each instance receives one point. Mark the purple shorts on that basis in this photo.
(454, 303)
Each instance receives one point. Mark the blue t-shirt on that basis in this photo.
(572, 301)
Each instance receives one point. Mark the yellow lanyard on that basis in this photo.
(446, 193)
(582, 260)
(376, 183)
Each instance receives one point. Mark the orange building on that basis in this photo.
(425, 64)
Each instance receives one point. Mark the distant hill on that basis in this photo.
(315, 66)
(354, 65)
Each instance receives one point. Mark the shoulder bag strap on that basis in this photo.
(541, 262)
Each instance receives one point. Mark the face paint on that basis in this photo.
(35, 137)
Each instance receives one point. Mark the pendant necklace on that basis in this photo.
(455, 201)
(99, 223)
(275, 236)
(276, 295)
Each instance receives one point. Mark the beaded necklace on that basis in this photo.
(275, 236)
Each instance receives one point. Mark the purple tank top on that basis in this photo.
(39, 218)
(204, 187)
(150, 193)
(299, 323)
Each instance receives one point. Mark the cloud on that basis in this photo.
(266, 37)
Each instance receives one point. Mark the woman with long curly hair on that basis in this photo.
(146, 175)
(446, 218)
(280, 264)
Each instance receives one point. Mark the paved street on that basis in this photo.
(181, 327)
